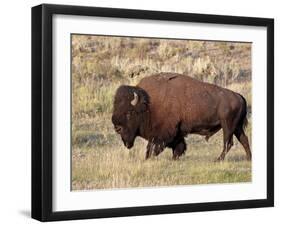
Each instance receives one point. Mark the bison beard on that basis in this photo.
(166, 107)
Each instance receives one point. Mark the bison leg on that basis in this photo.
(227, 140)
(154, 149)
(227, 145)
(158, 148)
(179, 149)
(149, 150)
(243, 139)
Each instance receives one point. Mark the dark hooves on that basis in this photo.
(219, 160)
(175, 157)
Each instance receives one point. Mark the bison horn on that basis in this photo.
(135, 100)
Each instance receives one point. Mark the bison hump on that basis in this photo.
(167, 76)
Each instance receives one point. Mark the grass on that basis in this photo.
(99, 165)
(101, 64)
(100, 160)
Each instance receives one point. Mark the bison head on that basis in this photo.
(130, 108)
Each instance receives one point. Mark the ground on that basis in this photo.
(97, 164)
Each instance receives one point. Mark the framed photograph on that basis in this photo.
(145, 112)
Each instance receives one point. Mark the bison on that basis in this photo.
(166, 107)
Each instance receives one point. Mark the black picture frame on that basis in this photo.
(42, 111)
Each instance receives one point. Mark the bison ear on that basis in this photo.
(143, 107)
(143, 104)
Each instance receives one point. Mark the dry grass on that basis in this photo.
(100, 64)
(102, 165)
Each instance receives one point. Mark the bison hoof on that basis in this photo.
(176, 157)
(146, 157)
(219, 159)
(249, 158)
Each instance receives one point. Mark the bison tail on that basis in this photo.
(245, 122)
(243, 118)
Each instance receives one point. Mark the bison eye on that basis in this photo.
(118, 129)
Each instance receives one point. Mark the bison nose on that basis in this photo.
(129, 146)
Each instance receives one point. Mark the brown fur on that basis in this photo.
(171, 106)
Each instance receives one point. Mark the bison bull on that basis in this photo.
(166, 107)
